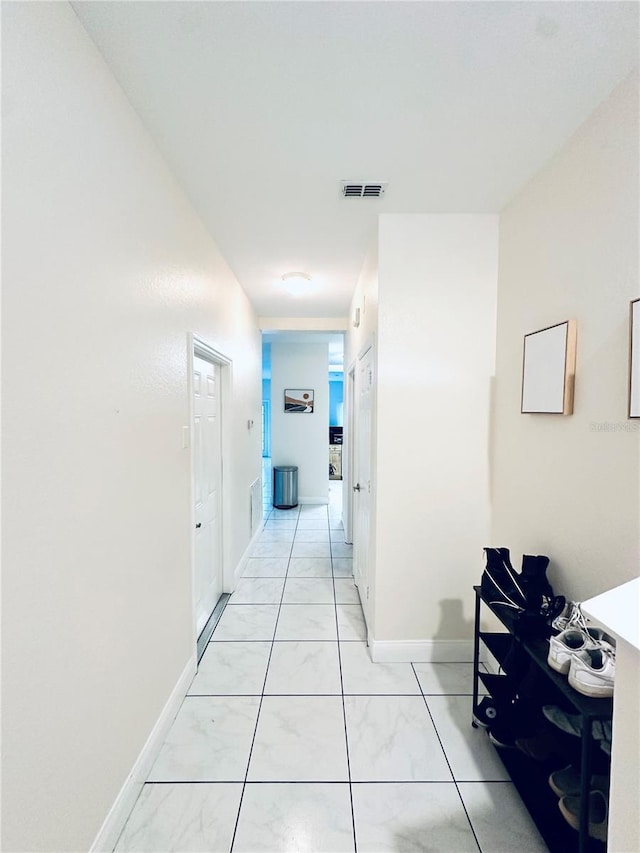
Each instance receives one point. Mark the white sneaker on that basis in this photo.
(568, 643)
(571, 617)
(592, 671)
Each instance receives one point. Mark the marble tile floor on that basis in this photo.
(290, 739)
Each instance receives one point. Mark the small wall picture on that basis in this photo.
(548, 370)
(298, 400)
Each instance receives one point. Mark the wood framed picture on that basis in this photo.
(548, 370)
(634, 359)
(298, 400)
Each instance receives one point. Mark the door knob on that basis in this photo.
(199, 524)
(356, 488)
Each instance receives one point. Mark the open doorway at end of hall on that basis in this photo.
(290, 360)
(336, 422)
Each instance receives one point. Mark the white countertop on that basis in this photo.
(618, 611)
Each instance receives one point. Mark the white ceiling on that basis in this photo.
(262, 108)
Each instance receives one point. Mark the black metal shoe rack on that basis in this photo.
(531, 777)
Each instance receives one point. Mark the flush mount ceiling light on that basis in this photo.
(297, 283)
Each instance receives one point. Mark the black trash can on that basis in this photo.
(285, 486)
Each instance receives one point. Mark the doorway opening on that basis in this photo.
(309, 362)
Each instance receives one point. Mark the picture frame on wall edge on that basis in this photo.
(634, 359)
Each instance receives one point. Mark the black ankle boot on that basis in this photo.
(534, 575)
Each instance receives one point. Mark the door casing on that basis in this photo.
(365, 580)
(199, 347)
(349, 444)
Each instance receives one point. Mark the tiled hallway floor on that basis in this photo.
(291, 739)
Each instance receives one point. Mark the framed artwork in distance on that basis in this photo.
(298, 400)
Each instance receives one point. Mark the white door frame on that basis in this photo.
(197, 346)
(366, 601)
(349, 442)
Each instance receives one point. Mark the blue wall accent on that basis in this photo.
(266, 361)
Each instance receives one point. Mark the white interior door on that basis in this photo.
(207, 462)
(362, 475)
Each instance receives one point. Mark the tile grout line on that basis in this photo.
(264, 684)
(344, 710)
(446, 758)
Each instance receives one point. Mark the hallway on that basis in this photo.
(290, 739)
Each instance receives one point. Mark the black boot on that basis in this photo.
(501, 585)
(534, 575)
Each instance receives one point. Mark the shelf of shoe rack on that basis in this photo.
(530, 777)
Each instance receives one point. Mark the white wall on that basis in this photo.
(365, 298)
(105, 269)
(436, 339)
(298, 438)
(568, 486)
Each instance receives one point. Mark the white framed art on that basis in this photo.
(548, 370)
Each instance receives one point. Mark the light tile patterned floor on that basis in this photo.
(291, 739)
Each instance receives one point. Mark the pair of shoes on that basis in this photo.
(585, 654)
(568, 643)
(567, 782)
(598, 813)
(572, 725)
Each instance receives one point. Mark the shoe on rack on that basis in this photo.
(486, 713)
(569, 723)
(502, 735)
(569, 617)
(572, 725)
(570, 641)
(541, 746)
(567, 782)
(592, 671)
(598, 813)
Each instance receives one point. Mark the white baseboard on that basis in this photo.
(109, 832)
(242, 562)
(421, 651)
(322, 500)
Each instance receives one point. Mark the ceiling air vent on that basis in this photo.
(353, 189)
